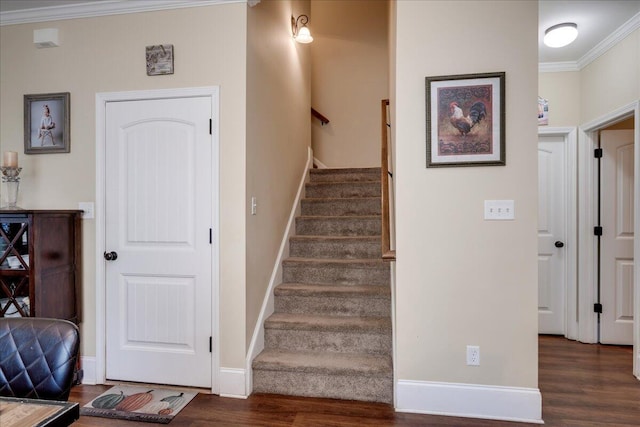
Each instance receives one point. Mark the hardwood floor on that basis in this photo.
(582, 385)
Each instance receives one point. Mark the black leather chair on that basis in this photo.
(37, 357)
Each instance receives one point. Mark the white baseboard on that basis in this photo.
(319, 164)
(232, 383)
(470, 400)
(257, 340)
(88, 366)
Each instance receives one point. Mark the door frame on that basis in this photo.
(100, 216)
(587, 215)
(569, 135)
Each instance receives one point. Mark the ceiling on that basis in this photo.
(596, 21)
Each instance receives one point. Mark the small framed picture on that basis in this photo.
(47, 123)
(159, 59)
(465, 120)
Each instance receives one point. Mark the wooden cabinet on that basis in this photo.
(40, 257)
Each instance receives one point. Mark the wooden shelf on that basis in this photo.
(52, 281)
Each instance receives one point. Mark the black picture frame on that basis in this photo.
(44, 134)
(465, 120)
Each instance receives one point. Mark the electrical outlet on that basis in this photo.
(473, 355)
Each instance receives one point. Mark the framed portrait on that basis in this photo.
(159, 59)
(465, 120)
(46, 123)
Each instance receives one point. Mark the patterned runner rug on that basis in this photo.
(150, 404)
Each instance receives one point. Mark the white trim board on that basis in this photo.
(100, 216)
(587, 195)
(257, 340)
(470, 400)
(94, 8)
(88, 366)
(233, 383)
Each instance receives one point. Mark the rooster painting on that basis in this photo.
(463, 123)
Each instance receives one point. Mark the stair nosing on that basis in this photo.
(379, 325)
(349, 217)
(305, 290)
(337, 239)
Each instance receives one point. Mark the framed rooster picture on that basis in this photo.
(465, 120)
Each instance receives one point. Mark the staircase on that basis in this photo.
(330, 334)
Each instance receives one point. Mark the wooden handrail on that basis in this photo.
(387, 253)
(317, 115)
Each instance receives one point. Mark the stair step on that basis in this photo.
(335, 247)
(329, 300)
(342, 189)
(332, 334)
(346, 174)
(369, 225)
(341, 206)
(337, 291)
(318, 362)
(305, 322)
(338, 271)
(313, 374)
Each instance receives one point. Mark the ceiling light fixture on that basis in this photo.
(301, 34)
(561, 35)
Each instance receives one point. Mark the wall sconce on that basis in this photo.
(561, 35)
(301, 34)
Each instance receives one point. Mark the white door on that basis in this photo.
(158, 218)
(616, 243)
(552, 206)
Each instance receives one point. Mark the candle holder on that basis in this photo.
(10, 177)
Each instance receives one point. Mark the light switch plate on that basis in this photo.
(499, 210)
(87, 209)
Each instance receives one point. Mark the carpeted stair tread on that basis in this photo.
(342, 189)
(312, 290)
(335, 246)
(333, 300)
(346, 174)
(355, 263)
(305, 322)
(336, 239)
(366, 225)
(319, 362)
(336, 271)
(341, 206)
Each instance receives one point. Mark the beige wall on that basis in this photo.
(350, 77)
(608, 83)
(278, 137)
(106, 54)
(462, 280)
(562, 90)
(612, 80)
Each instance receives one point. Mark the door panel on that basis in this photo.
(552, 196)
(158, 215)
(616, 276)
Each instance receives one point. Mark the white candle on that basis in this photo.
(10, 159)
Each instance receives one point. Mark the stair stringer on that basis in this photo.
(257, 338)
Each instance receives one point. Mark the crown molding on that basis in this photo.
(600, 49)
(613, 39)
(100, 8)
(557, 67)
